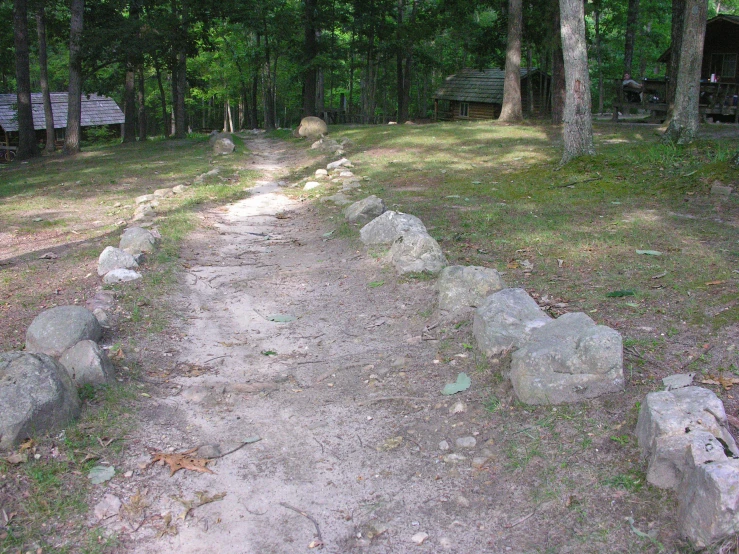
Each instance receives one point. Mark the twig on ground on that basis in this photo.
(306, 515)
(520, 521)
(242, 445)
(391, 398)
(573, 183)
(216, 358)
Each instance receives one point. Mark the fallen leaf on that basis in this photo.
(181, 460)
(649, 252)
(281, 318)
(17, 458)
(268, 353)
(463, 383)
(315, 543)
(709, 283)
(390, 444)
(28, 444)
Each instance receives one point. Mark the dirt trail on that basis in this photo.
(350, 417)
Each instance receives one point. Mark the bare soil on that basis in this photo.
(346, 400)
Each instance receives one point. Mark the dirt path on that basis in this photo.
(349, 414)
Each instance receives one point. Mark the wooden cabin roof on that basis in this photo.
(96, 110)
(471, 85)
(723, 18)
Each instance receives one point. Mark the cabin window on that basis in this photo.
(724, 65)
(464, 109)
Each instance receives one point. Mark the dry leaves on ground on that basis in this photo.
(181, 460)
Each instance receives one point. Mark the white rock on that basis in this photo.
(120, 276)
(443, 446)
(420, 538)
(109, 506)
(466, 442)
(114, 258)
(458, 408)
(311, 185)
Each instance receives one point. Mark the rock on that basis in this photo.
(215, 135)
(678, 381)
(312, 127)
(717, 189)
(144, 211)
(163, 193)
(672, 433)
(179, 189)
(87, 364)
(505, 321)
(36, 395)
(343, 162)
(135, 240)
(120, 276)
(708, 503)
(478, 462)
(209, 451)
(458, 408)
(466, 442)
(102, 317)
(310, 185)
(454, 458)
(444, 446)
(114, 258)
(103, 299)
(321, 173)
(568, 360)
(145, 198)
(223, 146)
(388, 226)
(351, 185)
(109, 506)
(674, 457)
(416, 253)
(460, 500)
(55, 330)
(465, 287)
(340, 199)
(346, 174)
(316, 145)
(364, 210)
(419, 538)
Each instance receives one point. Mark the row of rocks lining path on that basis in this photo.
(354, 431)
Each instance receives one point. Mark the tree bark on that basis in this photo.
(558, 68)
(27, 146)
(684, 124)
(74, 93)
(511, 110)
(311, 51)
(599, 56)
(678, 15)
(142, 103)
(162, 99)
(578, 125)
(44, 78)
(129, 104)
(632, 17)
(180, 124)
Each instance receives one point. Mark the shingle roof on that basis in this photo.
(96, 110)
(470, 85)
(665, 57)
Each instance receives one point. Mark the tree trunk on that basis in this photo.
(74, 103)
(684, 124)
(142, 103)
(44, 78)
(311, 51)
(27, 146)
(578, 125)
(632, 18)
(162, 99)
(511, 108)
(320, 98)
(530, 83)
(180, 124)
(678, 16)
(558, 68)
(129, 104)
(599, 56)
(254, 112)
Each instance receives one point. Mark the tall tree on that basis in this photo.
(74, 92)
(632, 17)
(311, 51)
(558, 67)
(141, 97)
(511, 110)
(27, 146)
(44, 77)
(578, 124)
(684, 124)
(676, 34)
(129, 103)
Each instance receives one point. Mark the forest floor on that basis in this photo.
(270, 320)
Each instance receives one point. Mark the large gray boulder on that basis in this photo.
(114, 258)
(505, 320)
(55, 330)
(136, 240)
(223, 146)
(709, 503)
(568, 360)
(215, 135)
(312, 127)
(387, 227)
(36, 395)
(87, 364)
(670, 431)
(464, 287)
(417, 253)
(364, 210)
